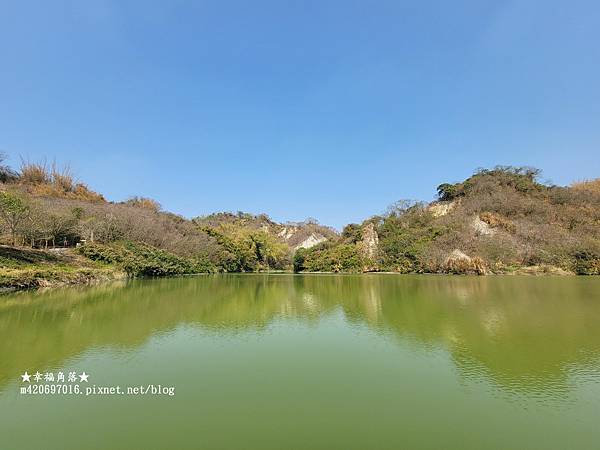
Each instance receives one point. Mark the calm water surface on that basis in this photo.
(309, 362)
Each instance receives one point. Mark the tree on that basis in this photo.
(269, 252)
(59, 227)
(299, 258)
(7, 175)
(401, 207)
(32, 227)
(13, 211)
(352, 232)
(447, 191)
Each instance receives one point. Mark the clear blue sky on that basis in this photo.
(329, 109)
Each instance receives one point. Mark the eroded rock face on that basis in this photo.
(293, 236)
(440, 209)
(311, 241)
(370, 241)
(481, 228)
(287, 233)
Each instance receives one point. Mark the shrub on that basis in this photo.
(248, 249)
(587, 263)
(299, 260)
(352, 233)
(333, 258)
(459, 263)
(34, 173)
(144, 260)
(404, 234)
(143, 202)
(62, 179)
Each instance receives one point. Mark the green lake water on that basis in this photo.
(307, 362)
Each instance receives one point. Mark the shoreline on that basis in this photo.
(24, 269)
(49, 280)
(34, 280)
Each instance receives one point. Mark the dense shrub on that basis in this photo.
(143, 260)
(404, 235)
(587, 263)
(330, 258)
(352, 233)
(299, 260)
(248, 249)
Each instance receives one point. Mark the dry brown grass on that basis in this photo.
(62, 178)
(42, 180)
(497, 221)
(79, 192)
(587, 185)
(34, 173)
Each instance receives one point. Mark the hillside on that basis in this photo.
(43, 207)
(22, 268)
(294, 234)
(255, 242)
(500, 220)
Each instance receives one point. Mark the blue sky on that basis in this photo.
(328, 109)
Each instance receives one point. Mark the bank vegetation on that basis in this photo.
(55, 229)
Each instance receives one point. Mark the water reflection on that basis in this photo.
(522, 333)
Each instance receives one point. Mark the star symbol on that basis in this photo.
(83, 377)
(26, 377)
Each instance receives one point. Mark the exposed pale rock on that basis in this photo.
(439, 209)
(481, 228)
(370, 241)
(457, 255)
(311, 241)
(287, 232)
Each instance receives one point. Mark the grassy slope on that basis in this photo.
(26, 268)
(23, 268)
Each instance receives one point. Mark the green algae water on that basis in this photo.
(304, 362)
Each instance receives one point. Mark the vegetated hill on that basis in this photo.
(499, 220)
(42, 206)
(295, 234)
(255, 242)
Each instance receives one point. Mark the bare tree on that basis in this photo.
(13, 211)
(7, 174)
